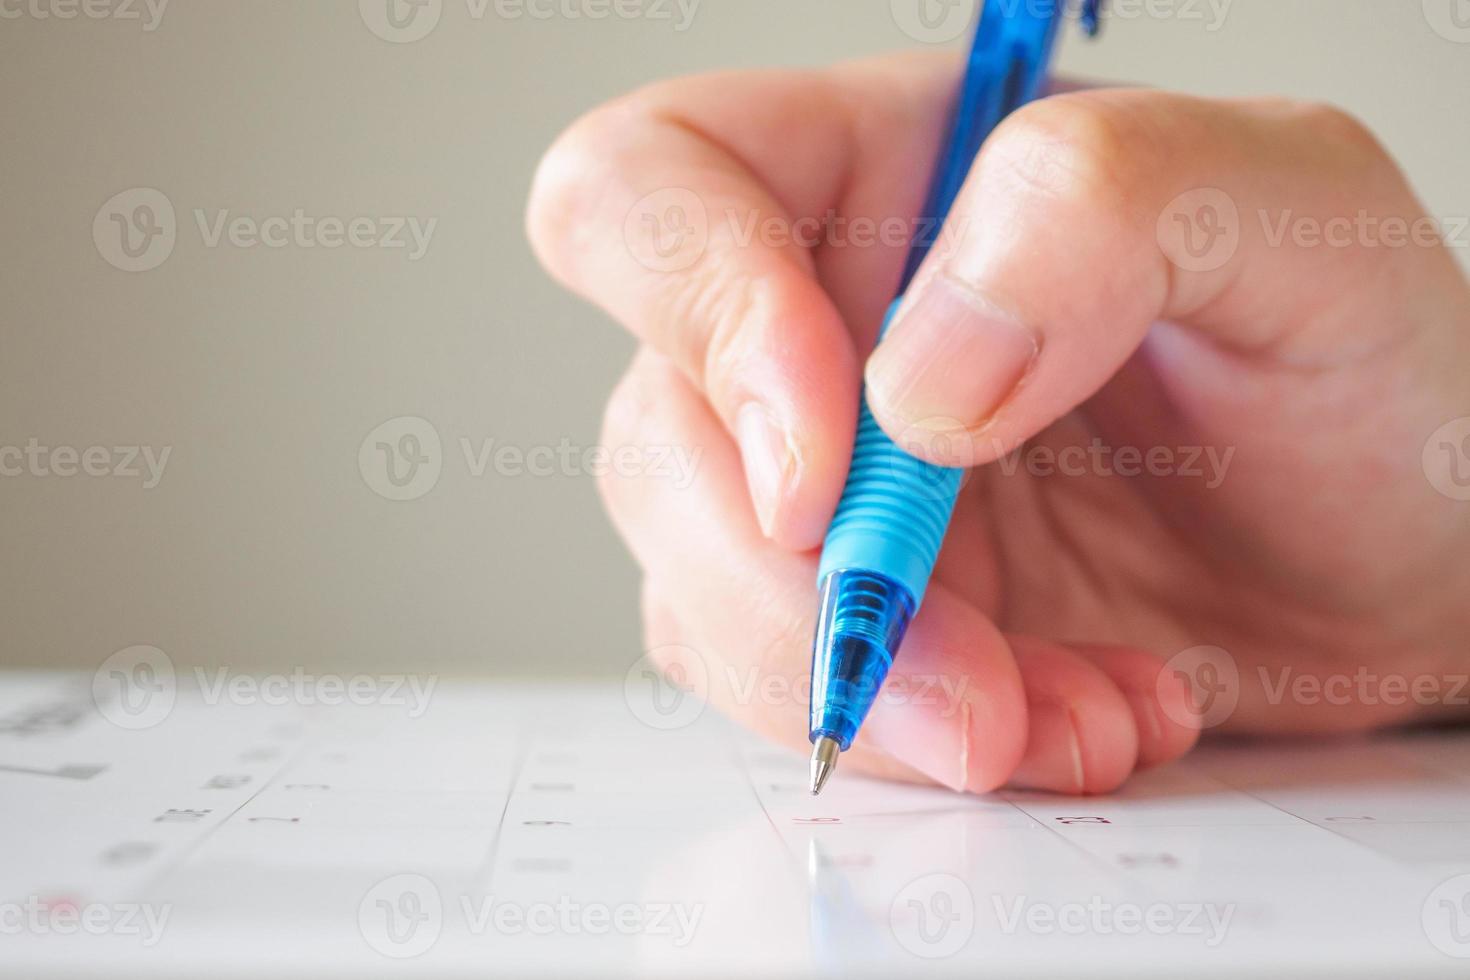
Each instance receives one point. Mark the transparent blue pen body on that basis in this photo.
(863, 620)
(876, 562)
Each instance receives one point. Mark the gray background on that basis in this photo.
(265, 369)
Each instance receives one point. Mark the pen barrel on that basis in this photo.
(894, 510)
(860, 627)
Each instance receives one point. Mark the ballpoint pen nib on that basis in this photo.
(824, 759)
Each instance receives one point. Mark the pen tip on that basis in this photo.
(824, 759)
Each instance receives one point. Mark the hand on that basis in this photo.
(1077, 307)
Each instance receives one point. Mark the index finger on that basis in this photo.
(675, 209)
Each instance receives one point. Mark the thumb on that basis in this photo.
(1090, 216)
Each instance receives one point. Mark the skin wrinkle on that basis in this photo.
(1181, 535)
(1272, 353)
(1059, 150)
(1043, 502)
(1004, 611)
(1175, 531)
(843, 185)
(967, 737)
(990, 594)
(1150, 710)
(1043, 507)
(676, 120)
(738, 305)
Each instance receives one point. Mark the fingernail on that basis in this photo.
(771, 462)
(1053, 758)
(952, 356)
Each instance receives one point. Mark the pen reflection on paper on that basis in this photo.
(841, 932)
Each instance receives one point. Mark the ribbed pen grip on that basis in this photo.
(894, 511)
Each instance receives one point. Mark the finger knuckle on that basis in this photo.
(1348, 153)
(1077, 164)
(567, 189)
(714, 323)
(729, 308)
(1342, 131)
(1072, 149)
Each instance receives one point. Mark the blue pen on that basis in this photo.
(885, 536)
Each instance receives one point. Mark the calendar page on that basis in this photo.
(496, 830)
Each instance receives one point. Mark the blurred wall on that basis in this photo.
(262, 371)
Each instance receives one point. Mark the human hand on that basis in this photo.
(1124, 270)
